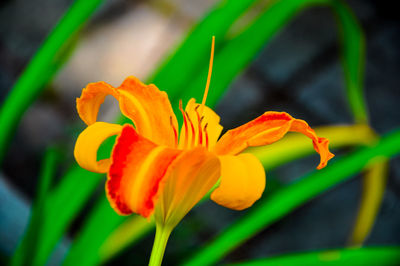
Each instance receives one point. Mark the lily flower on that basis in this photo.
(155, 168)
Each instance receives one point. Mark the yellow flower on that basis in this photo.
(156, 168)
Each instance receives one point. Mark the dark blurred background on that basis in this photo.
(298, 72)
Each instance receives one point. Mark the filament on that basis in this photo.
(175, 131)
(206, 134)
(193, 131)
(185, 125)
(199, 124)
(203, 102)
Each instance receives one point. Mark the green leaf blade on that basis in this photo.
(383, 256)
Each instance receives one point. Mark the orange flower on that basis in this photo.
(156, 168)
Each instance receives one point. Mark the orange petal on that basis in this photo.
(150, 110)
(147, 106)
(242, 181)
(266, 129)
(88, 143)
(188, 179)
(92, 97)
(138, 166)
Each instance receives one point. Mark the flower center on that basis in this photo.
(194, 130)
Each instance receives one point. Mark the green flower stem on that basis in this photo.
(160, 243)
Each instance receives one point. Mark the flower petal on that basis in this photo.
(208, 117)
(188, 179)
(147, 106)
(92, 97)
(266, 129)
(88, 143)
(150, 111)
(138, 166)
(242, 181)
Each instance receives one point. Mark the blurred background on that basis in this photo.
(298, 71)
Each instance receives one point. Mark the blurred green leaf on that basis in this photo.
(239, 51)
(383, 256)
(85, 251)
(285, 200)
(62, 205)
(353, 58)
(229, 62)
(374, 182)
(178, 70)
(26, 250)
(42, 68)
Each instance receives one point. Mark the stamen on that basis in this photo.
(193, 132)
(203, 102)
(199, 124)
(175, 131)
(206, 134)
(200, 131)
(185, 130)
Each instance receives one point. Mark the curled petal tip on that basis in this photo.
(325, 154)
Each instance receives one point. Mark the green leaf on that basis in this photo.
(353, 58)
(374, 183)
(383, 256)
(239, 51)
(26, 250)
(287, 199)
(42, 67)
(62, 205)
(178, 70)
(229, 62)
(85, 251)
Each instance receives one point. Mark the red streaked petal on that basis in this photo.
(266, 129)
(138, 166)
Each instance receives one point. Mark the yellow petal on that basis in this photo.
(208, 117)
(242, 181)
(88, 143)
(92, 97)
(188, 179)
